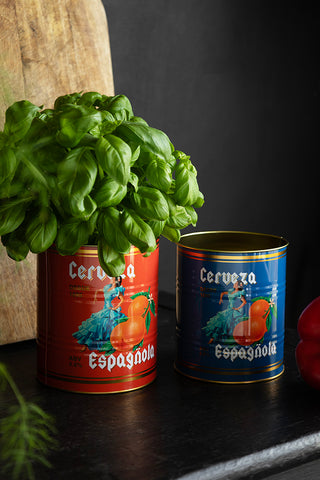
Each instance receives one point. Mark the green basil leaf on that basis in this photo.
(70, 99)
(37, 134)
(181, 156)
(4, 140)
(114, 156)
(41, 231)
(200, 201)
(187, 189)
(141, 120)
(151, 140)
(184, 161)
(112, 262)
(159, 174)
(19, 117)
(109, 192)
(83, 208)
(134, 180)
(75, 121)
(73, 234)
(8, 164)
(150, 203)
(47, 162)
(193, 215)
(171, 161)
(135, 154)
(109, 227)
(14, 187)
(46, 115)
(157, 227)
(171, 234)
(40, 150)
(179, 216)
(90, 98)
(179, 219)
(186, 182)
(120, 107)
(108, 124)
(138, 232)
(89, 140)
(76, 174)
(16, 247)
(33, 171)
(12, 213)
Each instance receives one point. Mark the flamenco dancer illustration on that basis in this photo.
(222, 324)
(95, 331)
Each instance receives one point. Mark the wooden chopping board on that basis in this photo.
(47, 48)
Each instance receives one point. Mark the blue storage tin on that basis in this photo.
(230, 306)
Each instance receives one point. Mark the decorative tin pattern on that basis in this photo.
(97, 334)
(230, 306)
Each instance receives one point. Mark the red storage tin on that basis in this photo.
(96, 334)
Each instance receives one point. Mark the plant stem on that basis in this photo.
(6, 375)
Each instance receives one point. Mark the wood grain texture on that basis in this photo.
(18, 298)
(52, 48)
(47, 48)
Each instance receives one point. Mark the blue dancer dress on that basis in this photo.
(221, 325)
(96, 330)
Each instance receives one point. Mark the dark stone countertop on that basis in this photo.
(177, 427)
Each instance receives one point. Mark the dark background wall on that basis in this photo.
(236, 85)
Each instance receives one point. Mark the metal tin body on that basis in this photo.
(230, 306)
(96, 334)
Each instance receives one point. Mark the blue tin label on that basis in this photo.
(230, 314)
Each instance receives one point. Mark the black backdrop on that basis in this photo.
(235, 85)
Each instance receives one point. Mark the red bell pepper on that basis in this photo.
(308, 348)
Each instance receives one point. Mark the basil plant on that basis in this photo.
(89, 171)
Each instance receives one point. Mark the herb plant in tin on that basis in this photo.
(89, 171)
(90, 187)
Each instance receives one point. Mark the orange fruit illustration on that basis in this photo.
(250, 331)
(127, 334)
(138, 306)
(260, 308)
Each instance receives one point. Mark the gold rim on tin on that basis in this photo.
(132, 389)
(239, 382)
(222, 241)
(43, 378)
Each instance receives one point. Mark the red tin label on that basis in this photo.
(97, 334)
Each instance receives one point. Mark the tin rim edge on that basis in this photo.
(284, 242)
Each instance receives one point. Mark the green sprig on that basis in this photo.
(27, 434)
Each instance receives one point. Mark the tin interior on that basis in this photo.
(232, 241)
